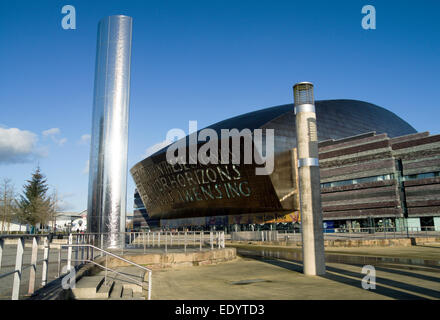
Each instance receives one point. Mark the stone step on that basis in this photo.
(87, 287)
(127, 294)
(104, 290)
(133, 286)
(116, 293)
(138, 296)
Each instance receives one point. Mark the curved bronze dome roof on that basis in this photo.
(336, 119)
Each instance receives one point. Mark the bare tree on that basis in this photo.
(7, 204)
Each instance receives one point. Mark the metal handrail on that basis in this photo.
(117, 257)
(86, 242)
(140, 283)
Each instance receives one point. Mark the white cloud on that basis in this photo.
(85, 139)
(63, 204)
(52, 133)
(62, 141)
(156, 147)
(17, 146)
(86, 168)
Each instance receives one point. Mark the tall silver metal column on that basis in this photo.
(108, 155)
(309, 180)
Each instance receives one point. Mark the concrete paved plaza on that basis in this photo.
(277, 278)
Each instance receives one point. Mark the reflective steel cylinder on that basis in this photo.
(309, 180)
(106, 210)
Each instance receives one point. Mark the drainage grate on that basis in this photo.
(242, 282)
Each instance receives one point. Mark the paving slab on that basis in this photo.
(272, 278)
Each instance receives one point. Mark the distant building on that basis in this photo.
(70, 221)
(129, 221)
(13, 226)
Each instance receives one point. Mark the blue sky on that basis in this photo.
(205, 61)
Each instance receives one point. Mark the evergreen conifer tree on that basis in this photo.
(35, 206)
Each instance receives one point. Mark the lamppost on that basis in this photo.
(309, 179)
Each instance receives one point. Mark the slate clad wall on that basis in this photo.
(420, 155)
(366, 156)
(412, 162)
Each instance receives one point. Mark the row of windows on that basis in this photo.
(379, 178)
(358, 180)
(422, 176)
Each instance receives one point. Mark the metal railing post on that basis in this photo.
(123, 242)
(92, 254)
(152, 242)
(87, 248)
(149, 285)
(69, 253)
(201, 234)
(102, 241)
(59, 261)
(76, 251)
(45, 262)
(18, 265)
(184, 242)
(158, 240)
(166, 240)
(82, 248)
(143, 240)
(106, 267)
(194, 241)
(1, 252)
(211, 240)
(33, 269)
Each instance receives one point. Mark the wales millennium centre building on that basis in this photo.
(375, 169)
